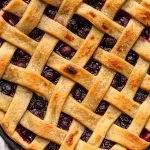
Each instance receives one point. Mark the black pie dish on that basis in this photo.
(11, 144)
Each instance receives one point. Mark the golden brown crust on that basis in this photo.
(72, 71)
(17, 7)
(139, 12)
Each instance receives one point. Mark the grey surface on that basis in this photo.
(12, 145)
(3, 145)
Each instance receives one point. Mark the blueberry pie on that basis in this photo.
(75, 74)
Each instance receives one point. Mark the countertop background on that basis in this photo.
(3, 145)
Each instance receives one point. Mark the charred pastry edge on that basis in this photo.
(71, 70)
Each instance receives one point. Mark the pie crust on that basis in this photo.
(97, 75)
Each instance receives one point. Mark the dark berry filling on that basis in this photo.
(79, 93)
(122, 18)
(50, 74)
(93, 66)
(64, 121)
(11, 18)
(20, 58)
(38, 106)
(145, 135)
(148, 71)
(79, 26)
(86, 135)
(3, 3)
(97, 4)
(146, 34)
(25, 134)
(123, 121)
(132, 57)
(36, 34)
(108, 42)
(27, 1)
(7, 88)
(119, 81)
(53, 146)
(1, 42)
(106, 144)
(64, 50)
(101, 109)
(140, 96)
(50, 11)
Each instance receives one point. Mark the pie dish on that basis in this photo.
(75, 74)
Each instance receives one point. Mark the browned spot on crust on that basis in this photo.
(135, 81)
(104, 26)
(69, 141)
(133, 137)
(5, 124)
(127, 38)
(45, 83)
(71, 70)
(119, 49)
(3, 63)
(2, 22)
(92, 14)
(11, 72)
(86, 52)
(92, 37)
(69, 37)
(55, 99)
(115, 64)
(144, 15)
(55, 96)
(66, 10)
(46, 127)
(146, 4)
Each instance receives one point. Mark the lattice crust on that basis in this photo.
(13, 110)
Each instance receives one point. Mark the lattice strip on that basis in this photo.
(26, 78)
(39, 126)
(60, 32)
(142, 48)
(113, 62)
(125, 138)
(16, 37)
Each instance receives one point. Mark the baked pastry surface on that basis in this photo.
(75, 74)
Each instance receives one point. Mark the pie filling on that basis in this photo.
(50, 74)
(78, 92)
(97, 4)
(20, 58)
(64, 50)
(3, 3)
(80, 27)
